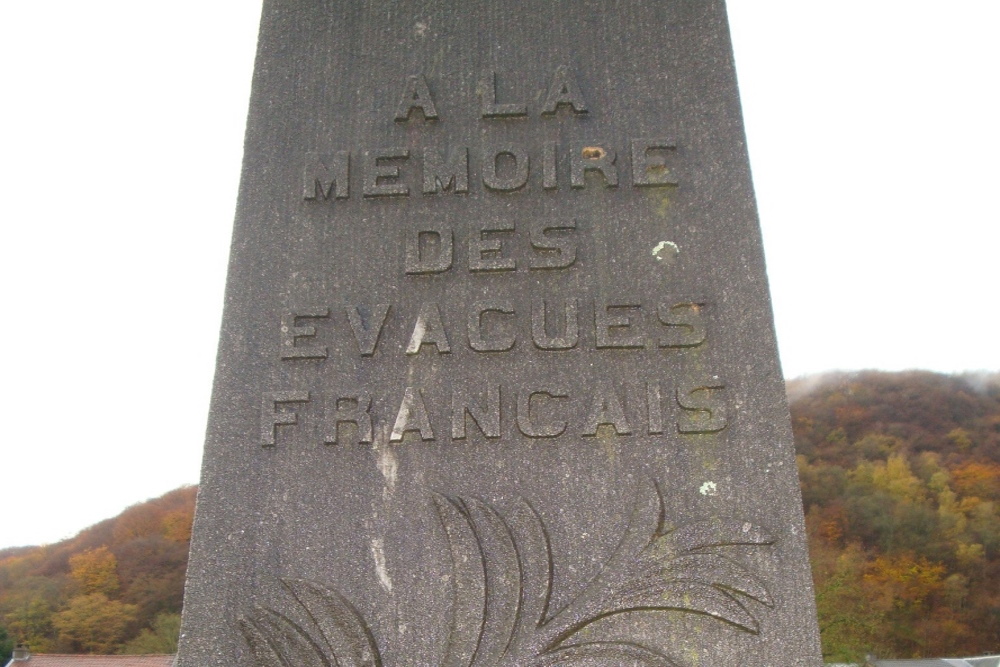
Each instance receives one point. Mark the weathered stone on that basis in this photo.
(497, 382)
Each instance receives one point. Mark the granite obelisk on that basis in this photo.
(497, 380)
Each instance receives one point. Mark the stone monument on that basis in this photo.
(497, 381)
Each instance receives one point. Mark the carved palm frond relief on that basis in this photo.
(502, 584)
(338, 637)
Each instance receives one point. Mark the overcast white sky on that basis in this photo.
(873, 129)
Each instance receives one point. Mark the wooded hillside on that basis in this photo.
(901, 482)
(115, 587)
(900, 478)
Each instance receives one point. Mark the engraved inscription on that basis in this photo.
(585, 157)
(411, 416)
(614, 409)
(416, 96)
(704, 412)
(442, 174)
(685, 327)
(497, 324)
(549, 165)
(568, 336)
(554, 244)
(654, 405)
(381, 173)
(367, 329)
(292, 332)
(649, 167)
(530, 425)
(486, 251)
(430, 247)
(563, 90)
(323, 177)
(491, 108)
(271, 417)
(484, 338)
(551, 323)
(486, 416)
(429, 330)
(504, 168)
(607, 410)
(349, 410)
(618, 325)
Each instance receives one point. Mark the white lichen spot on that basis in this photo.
(420, 28)
(383, 574)
(709, 489)
(747, 527)
(666, 251)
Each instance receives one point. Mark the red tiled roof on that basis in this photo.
(60, 660)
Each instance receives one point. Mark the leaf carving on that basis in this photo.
(717, 533)
(503, 582)
(340, 637)
(270, 632)
(339, 622)
(535, 563)
(700, 598)
(468, 583)
(723, 572)
(501, 586)
(609, 654)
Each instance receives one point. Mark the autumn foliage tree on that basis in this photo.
(900, 474)
(95, 570)
(94, 623)
(117, 584)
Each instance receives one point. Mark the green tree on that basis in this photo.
(161, 638)
(6, 646)
(93, 623)
(850, 623)
(31, 623)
